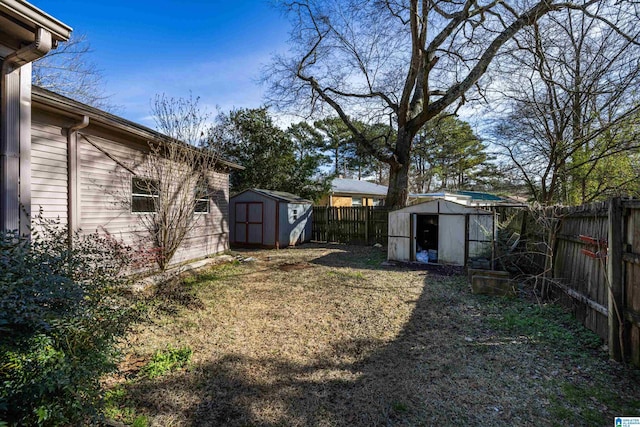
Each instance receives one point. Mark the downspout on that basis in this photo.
(15, 136)
(72, 176)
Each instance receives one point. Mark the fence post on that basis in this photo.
(326, 230)
(615, 280)
(549, 261)
(367, 218)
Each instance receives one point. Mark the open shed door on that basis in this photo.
(249, 223)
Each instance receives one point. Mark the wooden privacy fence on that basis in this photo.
(594, 259)
(363, 225)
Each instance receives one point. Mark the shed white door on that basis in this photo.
(249, 219)
(451, 239)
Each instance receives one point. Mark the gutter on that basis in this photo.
(73, 193)
(39, 48)
(30, 14)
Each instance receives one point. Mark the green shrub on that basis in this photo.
(168, 360)
(62, 309)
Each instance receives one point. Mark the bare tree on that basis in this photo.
(69, 71)
(176, 181)
(573, 108)
(400, 62)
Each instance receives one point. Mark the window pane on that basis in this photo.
(202, 206)
(142, 204)
(144, 186)
(201, 194)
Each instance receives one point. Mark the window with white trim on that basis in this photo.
(202, 198)
(356, 201)
(145, 195)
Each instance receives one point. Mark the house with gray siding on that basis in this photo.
(85, 164)
(76, 163)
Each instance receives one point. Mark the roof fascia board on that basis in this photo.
(35, 17)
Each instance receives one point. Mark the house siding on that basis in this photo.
(104, 186)
(105, 194)
(344, 201)
(48, 172)
(210, 235)
(341, 201)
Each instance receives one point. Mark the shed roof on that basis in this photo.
(354, 186)
(282, 196)
(442, 206)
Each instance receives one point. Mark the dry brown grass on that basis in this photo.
(325, 336)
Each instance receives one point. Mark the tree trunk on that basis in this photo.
(398, 193)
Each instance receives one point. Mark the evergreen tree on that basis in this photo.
(447, 154)
(273, 159)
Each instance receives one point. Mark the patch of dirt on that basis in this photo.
(294, 266)
(173, 294)
(346, 341)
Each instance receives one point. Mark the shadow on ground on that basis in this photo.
(445, 367)
(440, 370)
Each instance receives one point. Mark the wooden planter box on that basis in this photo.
(490, 282)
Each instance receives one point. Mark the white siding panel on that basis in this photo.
(48, 171)
(210, 235)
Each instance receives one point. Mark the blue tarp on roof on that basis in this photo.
(478, 195)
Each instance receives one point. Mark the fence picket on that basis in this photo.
(587, 284)
(361, 225)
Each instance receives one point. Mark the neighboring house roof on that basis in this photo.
(278, 195)
(478, 195)
(69, 107)
(357, 187)
(471, 198)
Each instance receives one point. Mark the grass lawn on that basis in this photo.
(326, 336)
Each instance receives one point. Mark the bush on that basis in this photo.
(62, 310)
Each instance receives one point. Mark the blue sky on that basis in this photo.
(214, 48)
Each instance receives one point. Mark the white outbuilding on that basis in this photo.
(441, 231)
